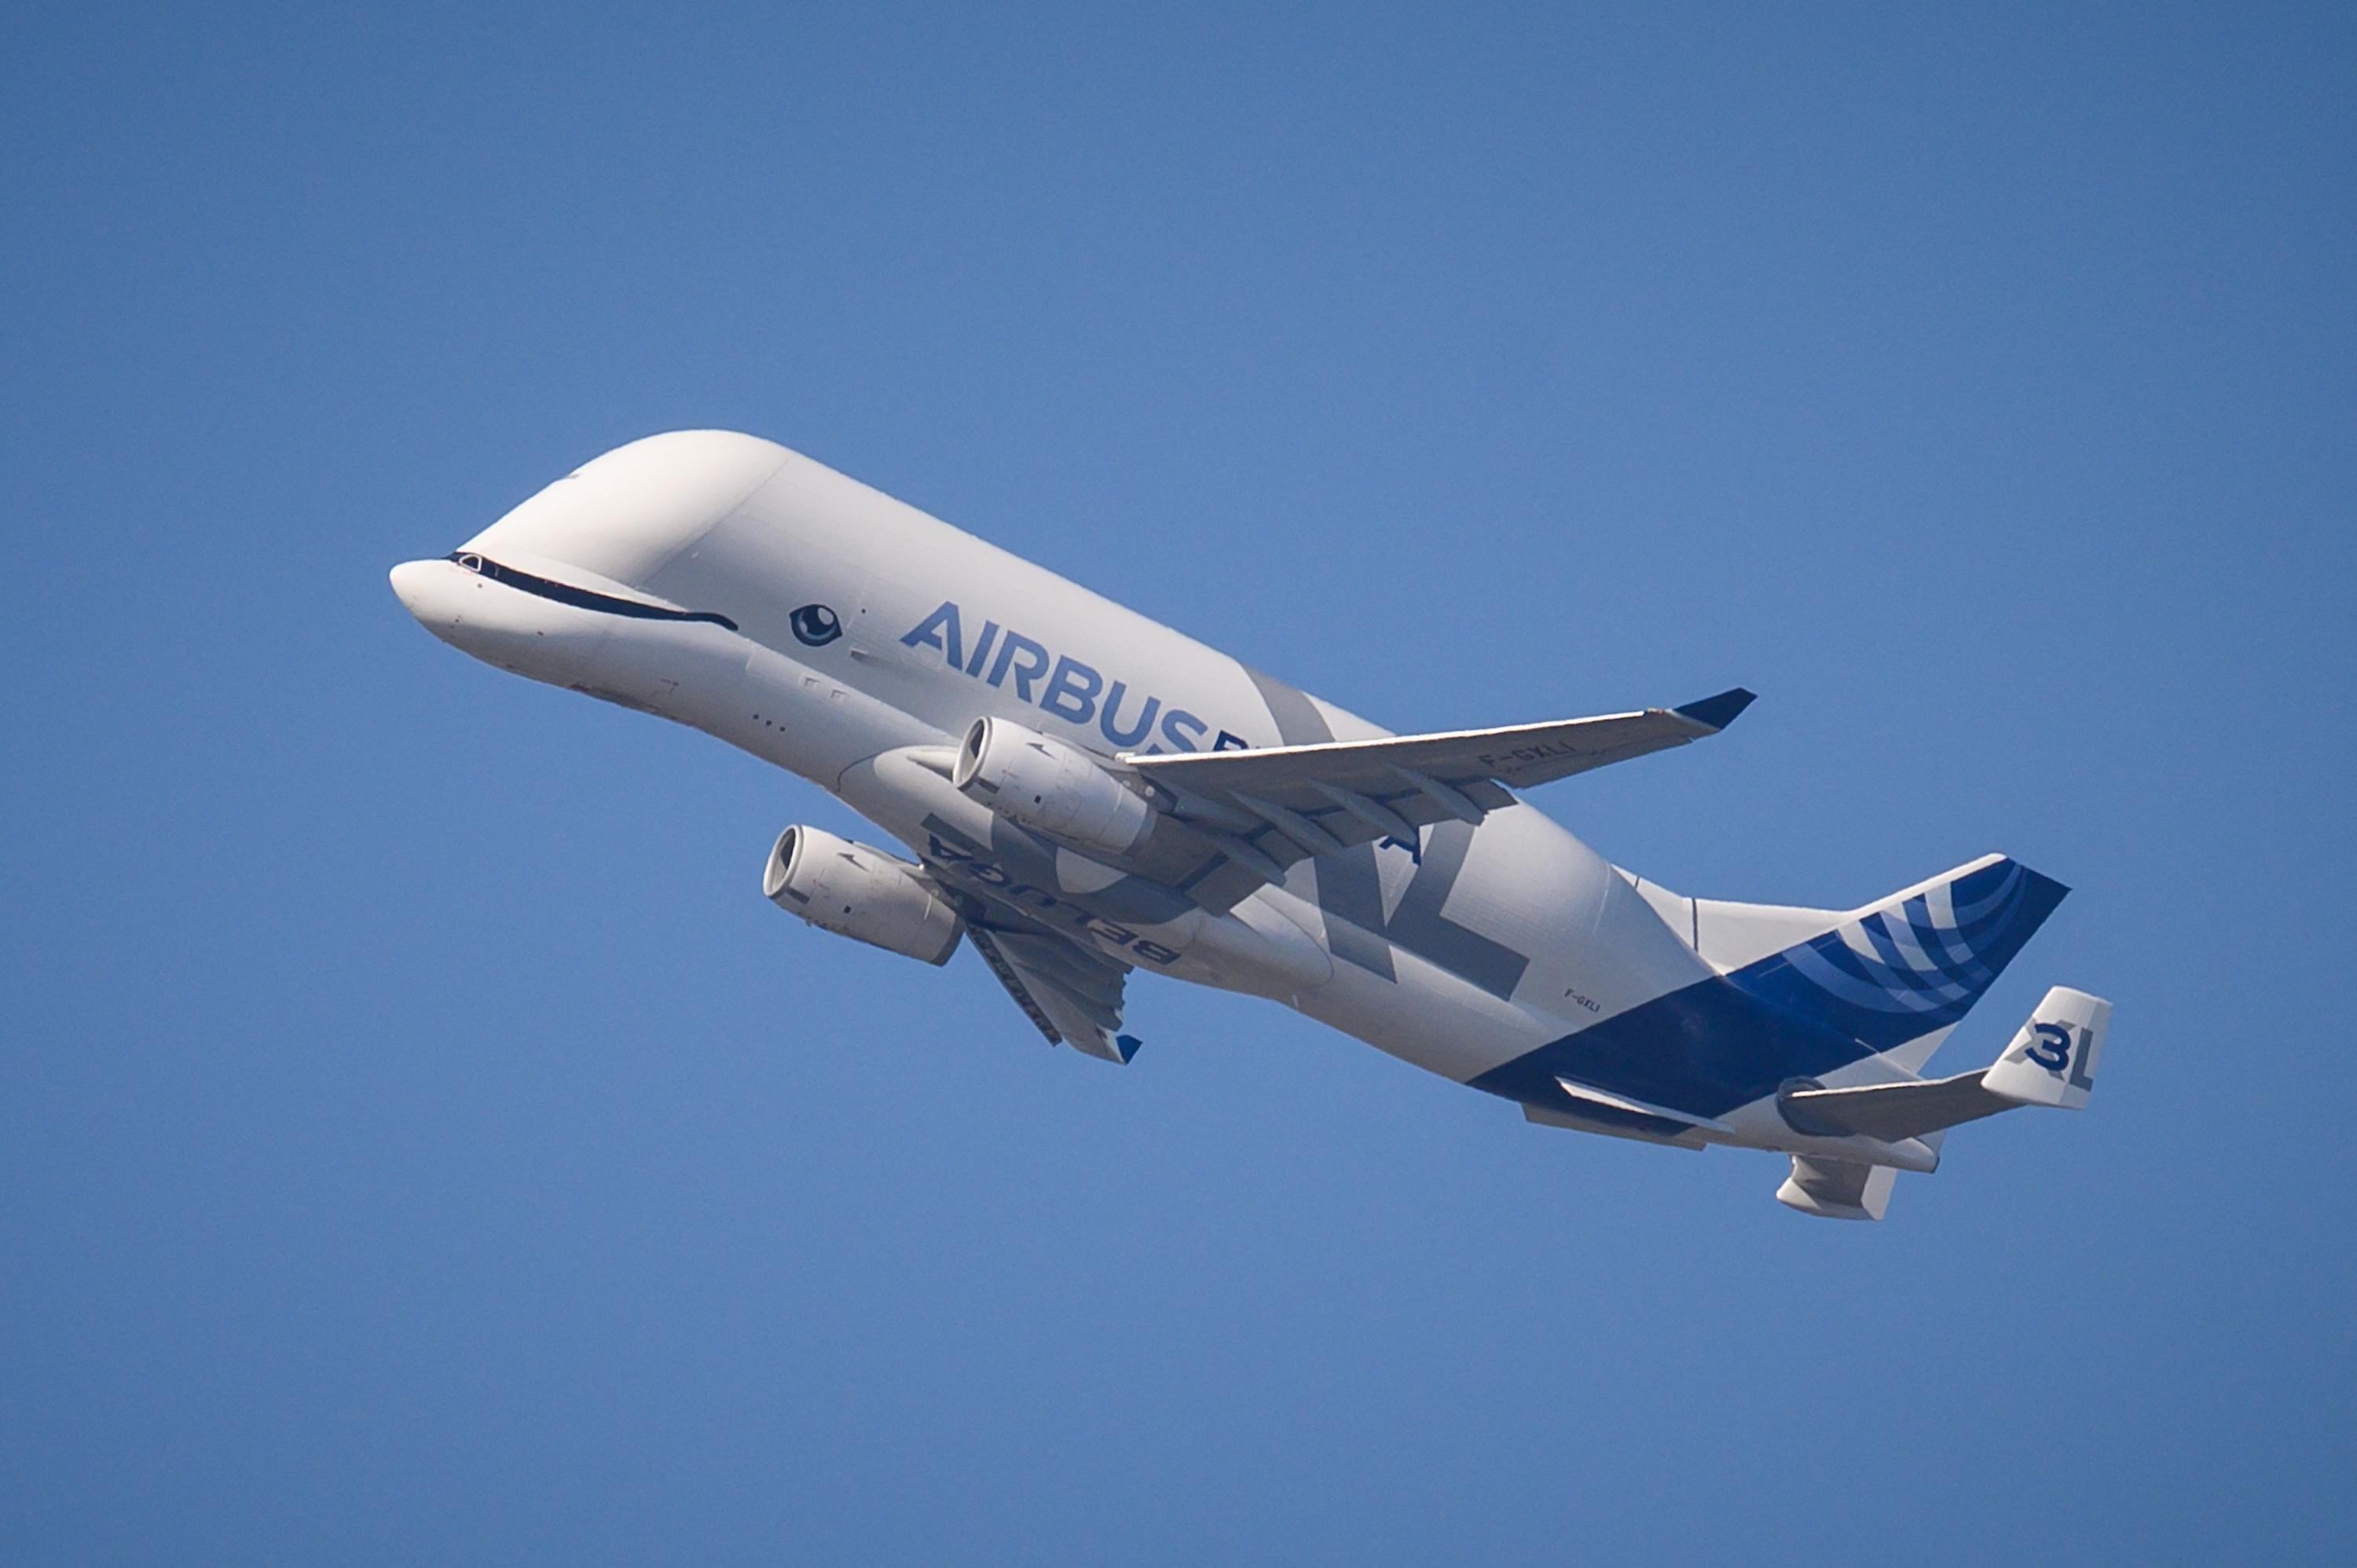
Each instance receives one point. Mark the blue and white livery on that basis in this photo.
(1080, 793)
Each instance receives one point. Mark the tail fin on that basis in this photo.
(1914, 963)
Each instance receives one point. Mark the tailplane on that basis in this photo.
(2050, 1062)
(1837, 1189)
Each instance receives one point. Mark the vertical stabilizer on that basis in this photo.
(1894, 971)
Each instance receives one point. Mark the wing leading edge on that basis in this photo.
(1282, 803)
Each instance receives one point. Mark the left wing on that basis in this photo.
(1071, 994)
(1283, 802)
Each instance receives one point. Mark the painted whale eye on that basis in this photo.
(815, 625)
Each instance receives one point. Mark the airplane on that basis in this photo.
(1083, 793)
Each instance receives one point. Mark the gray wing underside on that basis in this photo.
(1071, 994)
(1837, 1189)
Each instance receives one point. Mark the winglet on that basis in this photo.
(1718, 712)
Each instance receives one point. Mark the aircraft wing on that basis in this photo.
(1071, 994)
(1283, 802)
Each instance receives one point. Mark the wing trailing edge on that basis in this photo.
(1071, 994)
(1281, 804)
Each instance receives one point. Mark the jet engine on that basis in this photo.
(862, 892)
(1050, 785)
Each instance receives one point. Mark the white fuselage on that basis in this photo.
(731, 585)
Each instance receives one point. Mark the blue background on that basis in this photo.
(419, 1141)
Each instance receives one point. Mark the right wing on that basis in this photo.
(1274, 806)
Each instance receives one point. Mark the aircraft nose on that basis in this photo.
(425, 591)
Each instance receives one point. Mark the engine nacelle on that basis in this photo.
(862, 892)
(1050, 785)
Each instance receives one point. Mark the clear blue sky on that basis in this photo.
(419, 1141)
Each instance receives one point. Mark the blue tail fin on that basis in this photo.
(1868, 981)
(1914, 963)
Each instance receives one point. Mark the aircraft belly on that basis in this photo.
(1467, 972)
(811, 722)
(1428, 1017)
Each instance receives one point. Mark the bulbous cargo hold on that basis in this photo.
(1051, 786)
(860, 892)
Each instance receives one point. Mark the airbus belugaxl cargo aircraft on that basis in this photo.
(1083, 793)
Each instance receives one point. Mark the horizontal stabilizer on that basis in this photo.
(1837, 1189)
(2052, 1061)
(1891, 1112)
